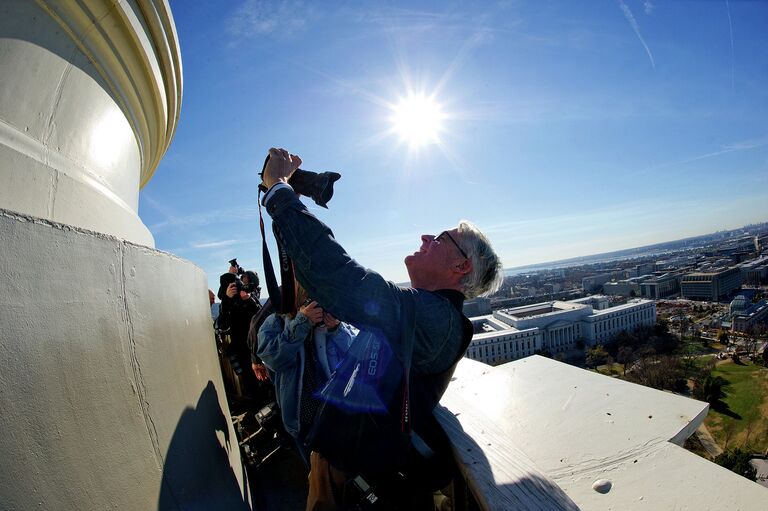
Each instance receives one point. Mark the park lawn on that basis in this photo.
(747, 399)
(614, 369)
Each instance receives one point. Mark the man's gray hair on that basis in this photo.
(487, 273)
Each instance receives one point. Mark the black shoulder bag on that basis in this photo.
(363, 425)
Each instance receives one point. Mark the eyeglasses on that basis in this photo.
(446, 233)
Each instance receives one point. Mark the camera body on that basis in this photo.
(307, 302)
(238, 269)
(317, 186)
(237, 279)
(250, 287)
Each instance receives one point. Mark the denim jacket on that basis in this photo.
(281, 348)
(359, 296)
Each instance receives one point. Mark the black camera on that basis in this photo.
(316, 186)
(250, 287)
(238, 269)
(253, 279)
(236, 279)
(307, 302)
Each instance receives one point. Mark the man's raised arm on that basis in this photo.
(352, 293)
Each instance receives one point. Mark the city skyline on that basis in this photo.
(566, 129)
(625, 252)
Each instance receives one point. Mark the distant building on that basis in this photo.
(660, 287)
(602, 326)
(510, 334)
(761, 242)
(595, 282)
(640, 270)
(680, 261)
(645, 269)
(597, 302)
(628, 287)
(477, 307)
(750, 317)
(713, 285)
(755, 272)
(740, 257)
(739, 305)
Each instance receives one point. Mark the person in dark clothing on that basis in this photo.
(237, 309)
(228, 278)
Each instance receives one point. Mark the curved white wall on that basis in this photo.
(89, 100)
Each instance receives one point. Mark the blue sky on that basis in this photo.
(571, 127)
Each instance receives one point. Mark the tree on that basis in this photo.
(657, 371)
(709, 389)
(722, 337)
(690, 362)
(661, 327)
(597, 355)
(737, 460)
(697, 337)
(752, 340)
(684, 324)
(625, 356)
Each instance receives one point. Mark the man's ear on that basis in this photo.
(464, 268)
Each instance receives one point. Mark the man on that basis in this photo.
(214, 306)
(237, 309)
(446, 269)
(228, 278)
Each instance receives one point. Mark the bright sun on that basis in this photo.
(418, 120)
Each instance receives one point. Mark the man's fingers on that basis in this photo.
(296, 161)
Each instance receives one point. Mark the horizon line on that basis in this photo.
(575, 258)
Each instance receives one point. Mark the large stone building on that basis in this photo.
(755, 272)
(510, 334)
(626, 287)
(749, 316)
(711, 285)
(595, 282)
(663, 286)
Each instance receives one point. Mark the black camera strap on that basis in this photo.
(319, 187)
(283, 300)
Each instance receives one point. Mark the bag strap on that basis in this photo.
(283, 301)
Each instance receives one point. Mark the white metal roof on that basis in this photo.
(542, 427)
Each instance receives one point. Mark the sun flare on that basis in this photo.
(418, 120)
